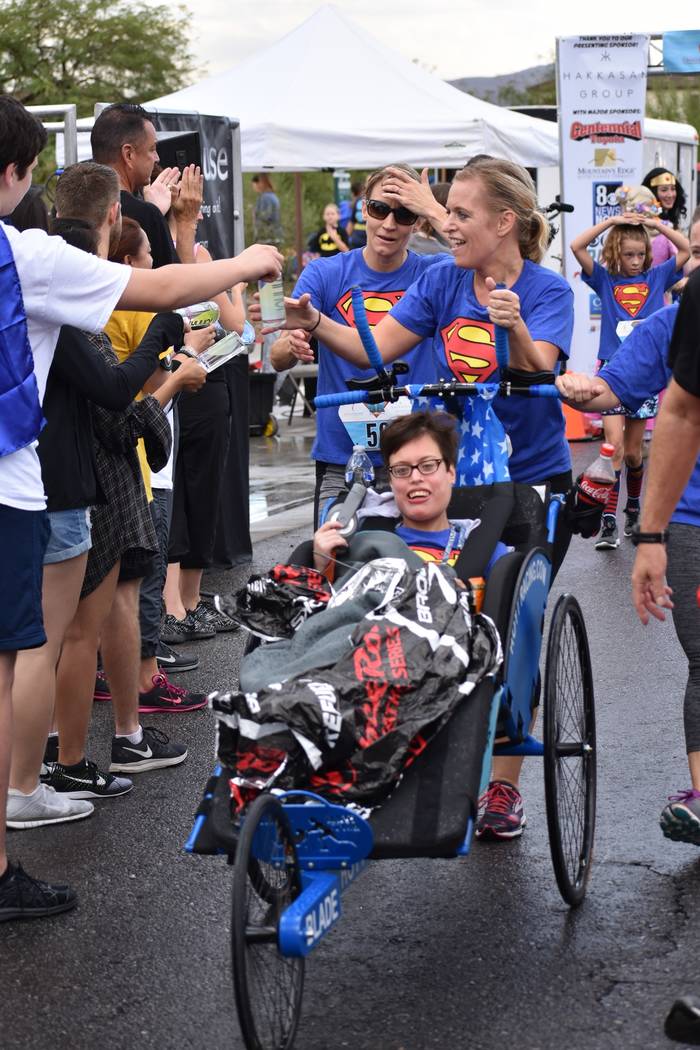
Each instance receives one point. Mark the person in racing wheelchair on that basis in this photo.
(420, 453)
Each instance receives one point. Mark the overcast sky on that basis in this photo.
(453, 38)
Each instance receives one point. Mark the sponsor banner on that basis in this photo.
(681, 52)
(601, 85)
(216, 228)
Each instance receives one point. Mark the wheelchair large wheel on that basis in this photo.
(569, 750)
(268, 986)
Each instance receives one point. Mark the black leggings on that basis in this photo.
(683, 574)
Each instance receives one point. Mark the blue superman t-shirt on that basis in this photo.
(626, 300)
(329, 282)
(442, 305)
(638, 371)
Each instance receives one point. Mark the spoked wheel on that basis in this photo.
(268, 986)
(569, 750)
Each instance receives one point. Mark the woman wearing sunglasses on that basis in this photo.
(383, 269)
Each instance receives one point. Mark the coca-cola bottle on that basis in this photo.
(597, 480)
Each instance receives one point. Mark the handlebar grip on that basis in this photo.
(358, 309)
(346, 397)
(545, 390)
(501, 341)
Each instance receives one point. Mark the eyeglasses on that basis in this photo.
(380, 210)
(404, 470)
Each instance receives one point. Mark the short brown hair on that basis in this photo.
(121, 123)
(87, 191)
(129, 240)
(611, 255)
(437, 425)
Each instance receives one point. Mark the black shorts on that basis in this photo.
(24, 535)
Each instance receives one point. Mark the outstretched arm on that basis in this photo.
(170, 287)
(392, 338)
(674, 452)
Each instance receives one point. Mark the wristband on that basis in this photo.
(318, 321)
(648, 537)
(188, 353)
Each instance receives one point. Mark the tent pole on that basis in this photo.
(298, 220)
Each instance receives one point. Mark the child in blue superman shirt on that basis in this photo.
(630, 289)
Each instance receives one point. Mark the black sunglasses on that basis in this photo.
(380, 210)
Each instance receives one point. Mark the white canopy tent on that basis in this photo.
(373, 108)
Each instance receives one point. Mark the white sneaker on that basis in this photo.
(43, 806)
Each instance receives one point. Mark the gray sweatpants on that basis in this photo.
(683, 574)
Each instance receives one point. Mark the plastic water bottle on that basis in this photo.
(272, 312)
(359, 467)
(201, 315)
(598, 479)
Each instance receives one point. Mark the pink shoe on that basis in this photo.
(164, 696)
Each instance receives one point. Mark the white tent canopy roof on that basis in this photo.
(377, 108)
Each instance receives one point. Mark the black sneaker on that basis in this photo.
(154, 752)
(608, 539)
(51, 750)
(22, 897)
(85, 781)
(207, 613)
(172, 662)
(631, 519)
(175, 632)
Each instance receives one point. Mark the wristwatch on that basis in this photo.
(648, 537)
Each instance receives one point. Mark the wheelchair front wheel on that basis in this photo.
(268, 986)
(569, 750)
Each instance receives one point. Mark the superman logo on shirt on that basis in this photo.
(631, 297)
(470, 349)
(377, 305)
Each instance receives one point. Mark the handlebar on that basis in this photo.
(355, 397)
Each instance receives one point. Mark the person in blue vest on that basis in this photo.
(45, 283)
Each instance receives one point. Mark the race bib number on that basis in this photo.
(364, 425)
(624, 328)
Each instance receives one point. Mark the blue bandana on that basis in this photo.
(20, 411)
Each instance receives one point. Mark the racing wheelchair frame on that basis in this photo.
(294, 853)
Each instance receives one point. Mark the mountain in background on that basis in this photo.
(532, 85)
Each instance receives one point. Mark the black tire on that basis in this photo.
(569, 750)
(268, 986)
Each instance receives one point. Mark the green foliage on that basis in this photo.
(317, 192)
(673, 98)
(88, 51)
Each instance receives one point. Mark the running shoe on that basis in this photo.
(102, 692)
(631, 519)
(207, 613)
(84, 780)
(501, 812)
(608, 539)
(154, 752)
(50, 751)
(175, 632)
(680, 820)
(683, 1021)
(169, 660)
(164, 696)
(22, 897)
(44, 806)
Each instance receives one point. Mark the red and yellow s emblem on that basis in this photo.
(631, 297)
(377, 305)
(470, 349)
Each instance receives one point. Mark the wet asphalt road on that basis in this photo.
(473, 954)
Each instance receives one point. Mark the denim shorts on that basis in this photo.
(70, 534)
(23, 536)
